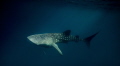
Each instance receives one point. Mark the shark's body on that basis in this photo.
(50, 39)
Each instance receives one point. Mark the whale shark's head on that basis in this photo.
(40, 39)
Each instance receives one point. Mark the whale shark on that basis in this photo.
(51, 39)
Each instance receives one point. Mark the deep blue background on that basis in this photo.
(21, 19)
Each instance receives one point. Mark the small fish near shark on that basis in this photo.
(51, 39)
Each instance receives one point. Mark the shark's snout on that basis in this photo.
(31, 39)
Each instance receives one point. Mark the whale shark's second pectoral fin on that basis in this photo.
(57, 48)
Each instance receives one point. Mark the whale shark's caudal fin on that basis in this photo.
(88, 39)
(57, 48)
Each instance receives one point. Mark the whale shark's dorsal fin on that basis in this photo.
(67, 32)
(57, 48)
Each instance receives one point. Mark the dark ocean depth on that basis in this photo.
(84, 18)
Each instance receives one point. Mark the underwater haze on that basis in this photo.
(84, 18)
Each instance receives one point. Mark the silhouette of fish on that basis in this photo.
(51, 39)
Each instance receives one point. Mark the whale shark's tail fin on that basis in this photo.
(88, 39)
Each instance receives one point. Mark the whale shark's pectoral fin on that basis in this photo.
(57, 48)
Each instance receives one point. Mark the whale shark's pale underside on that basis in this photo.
(51, 39)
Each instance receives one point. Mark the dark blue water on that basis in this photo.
(21, 19)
